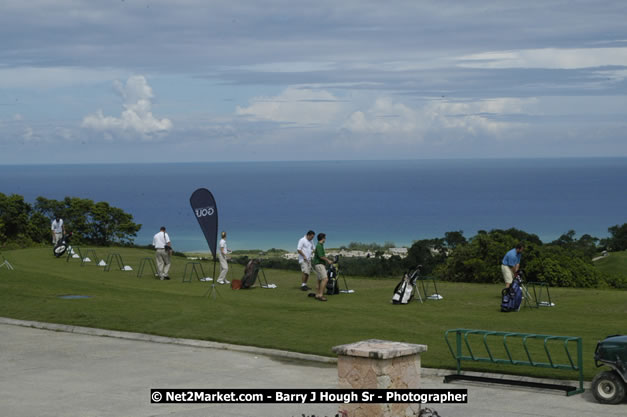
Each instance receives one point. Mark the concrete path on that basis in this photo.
(47, 373)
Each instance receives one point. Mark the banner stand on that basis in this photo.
(213, 290)
(206, 212)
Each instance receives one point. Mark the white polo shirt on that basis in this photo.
(223, 246)
(160, 240)
(57, 226)
(306, 246)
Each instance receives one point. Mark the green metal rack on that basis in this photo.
(460, 354)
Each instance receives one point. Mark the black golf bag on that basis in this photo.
(512, 296)
(62, 245)
(250, 274)
(404, 290)
(332, 286)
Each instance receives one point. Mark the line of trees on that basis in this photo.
(23, 224)
(565, 262)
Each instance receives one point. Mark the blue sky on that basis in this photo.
(149, 81)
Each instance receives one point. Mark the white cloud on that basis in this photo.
(385, 116)
(29, 135)
(18, 117)
(295, 105)
(137, 115)
(552, 58)
(54, 77)
(390, 118)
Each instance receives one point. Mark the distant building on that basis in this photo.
(402, 252)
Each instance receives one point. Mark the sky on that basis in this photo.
(99, 81)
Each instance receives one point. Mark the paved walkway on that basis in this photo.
(47, 373)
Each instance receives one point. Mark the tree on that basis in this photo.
(92, 223)
(480, 259)
(428, 252)
(454, 239)
(111, 225)
(565, 239)
(618, 240)
(15, 221)
(585, 246)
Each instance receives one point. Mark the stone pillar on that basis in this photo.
(379, 364)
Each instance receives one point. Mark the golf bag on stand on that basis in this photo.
(332, 287)
(62, 245)
(405, 290)
(250, 274)
(512, 296)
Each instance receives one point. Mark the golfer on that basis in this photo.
(319, 261)
(305, 248)
(511, 264)
(57, 229)
(224, 265)
(163, 247)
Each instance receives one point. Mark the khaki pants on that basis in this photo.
(508, 274)
(56, 237)
(321, 271)
(305, 266)
(224, 267)
(163, 263)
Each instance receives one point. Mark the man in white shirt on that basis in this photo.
(305, 248)
(163, 246)
(224, 265)
(57, 229)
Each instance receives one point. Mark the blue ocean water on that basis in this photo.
(272, 204)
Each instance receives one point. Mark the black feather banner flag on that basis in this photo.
(206, 212)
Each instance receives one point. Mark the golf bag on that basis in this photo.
(512, 296)
(62, 245)
(250, 274)
(404, 290)
(332, 287)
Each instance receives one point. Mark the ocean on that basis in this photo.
(265, 205)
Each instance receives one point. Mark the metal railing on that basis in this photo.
(468, 354)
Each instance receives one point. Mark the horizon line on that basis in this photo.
(522, 158)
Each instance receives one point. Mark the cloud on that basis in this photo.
(29, 135)
(474, 117)
(385, 116)
(29, 77)
(137, 116)
(295, 105)
(551, 58)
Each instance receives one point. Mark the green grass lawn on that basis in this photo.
(285, 318)
(614, 263)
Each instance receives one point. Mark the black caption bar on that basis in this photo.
(308, 396)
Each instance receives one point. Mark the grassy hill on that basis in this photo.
(615, 266)
(285, 318)
(615, 263)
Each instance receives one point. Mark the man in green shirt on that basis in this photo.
(319, 262)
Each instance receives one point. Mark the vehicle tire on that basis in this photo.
(608, 388)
